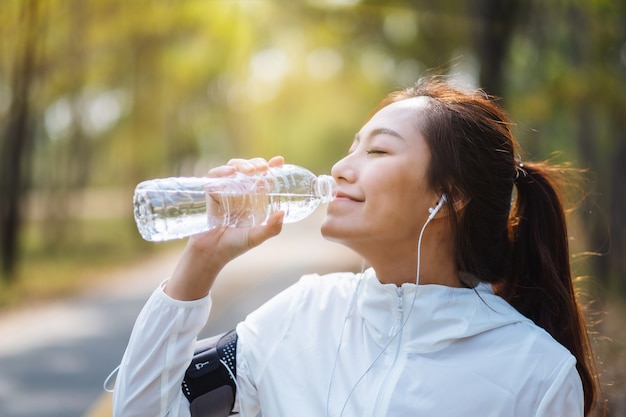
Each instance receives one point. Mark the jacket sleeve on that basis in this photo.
(564, 397)
(258, 337)
(160, 348)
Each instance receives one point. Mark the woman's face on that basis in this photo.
(383, 196)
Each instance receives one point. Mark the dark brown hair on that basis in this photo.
(518, 245)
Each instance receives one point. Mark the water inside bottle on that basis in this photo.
(296, 206)
(225, 208)
(245, 210)
(172, 208)
(159, 219)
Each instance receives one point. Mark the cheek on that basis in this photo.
(400, 191)
(410, 193)
(399, 200)
(402, 213)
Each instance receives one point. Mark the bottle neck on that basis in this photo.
(325, 188)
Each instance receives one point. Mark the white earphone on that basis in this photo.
(433, 210)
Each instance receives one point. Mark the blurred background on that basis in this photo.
(98, 95)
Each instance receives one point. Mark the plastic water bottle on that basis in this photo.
(173, 208)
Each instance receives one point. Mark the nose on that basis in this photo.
(344, 170)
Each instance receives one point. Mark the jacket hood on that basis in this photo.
(430, 317)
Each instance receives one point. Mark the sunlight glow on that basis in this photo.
(58, 119)
(324, 63)
(270, 65)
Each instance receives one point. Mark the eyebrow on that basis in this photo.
(380, 131)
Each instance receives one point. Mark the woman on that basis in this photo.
(468, 308)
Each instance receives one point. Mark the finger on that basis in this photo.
(222, 171)
(276, 161)
(242, 165)
(276, 219)
(260, 164)
(249, 166)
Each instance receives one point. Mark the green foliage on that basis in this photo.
(50, 271)
(128, 90)
(118, 91)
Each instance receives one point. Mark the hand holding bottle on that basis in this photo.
(235, 195)
(207, 253)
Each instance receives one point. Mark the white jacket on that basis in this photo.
(360, 349)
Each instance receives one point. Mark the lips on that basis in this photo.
(345, 196)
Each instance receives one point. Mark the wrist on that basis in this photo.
(194, 274)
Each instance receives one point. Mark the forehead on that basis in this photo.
(401, 111)
(402, 114)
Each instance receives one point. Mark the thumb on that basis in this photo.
(259, 234)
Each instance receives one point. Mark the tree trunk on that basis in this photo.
(16, 146)
(617, 212)
(495, 23)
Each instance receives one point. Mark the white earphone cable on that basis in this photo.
(432, 212)
(343, 328)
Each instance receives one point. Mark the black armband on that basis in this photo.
(208, 384)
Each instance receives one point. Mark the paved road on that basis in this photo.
(54, 358)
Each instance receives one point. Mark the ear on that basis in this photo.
(457, 205)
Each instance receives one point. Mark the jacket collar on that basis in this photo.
(429, 317)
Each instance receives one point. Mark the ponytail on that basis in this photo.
(521, 248)
(540, 281)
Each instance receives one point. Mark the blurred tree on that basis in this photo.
(596, 96)
(17, 137)
(68, 162)
(567, 83)
(108, 92)
(496, 21)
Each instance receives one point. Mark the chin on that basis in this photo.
(337, 231)
(328, 231)
(332, 230)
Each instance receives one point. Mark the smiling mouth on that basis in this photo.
(342, 196)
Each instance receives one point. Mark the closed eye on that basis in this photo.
(376, 152)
